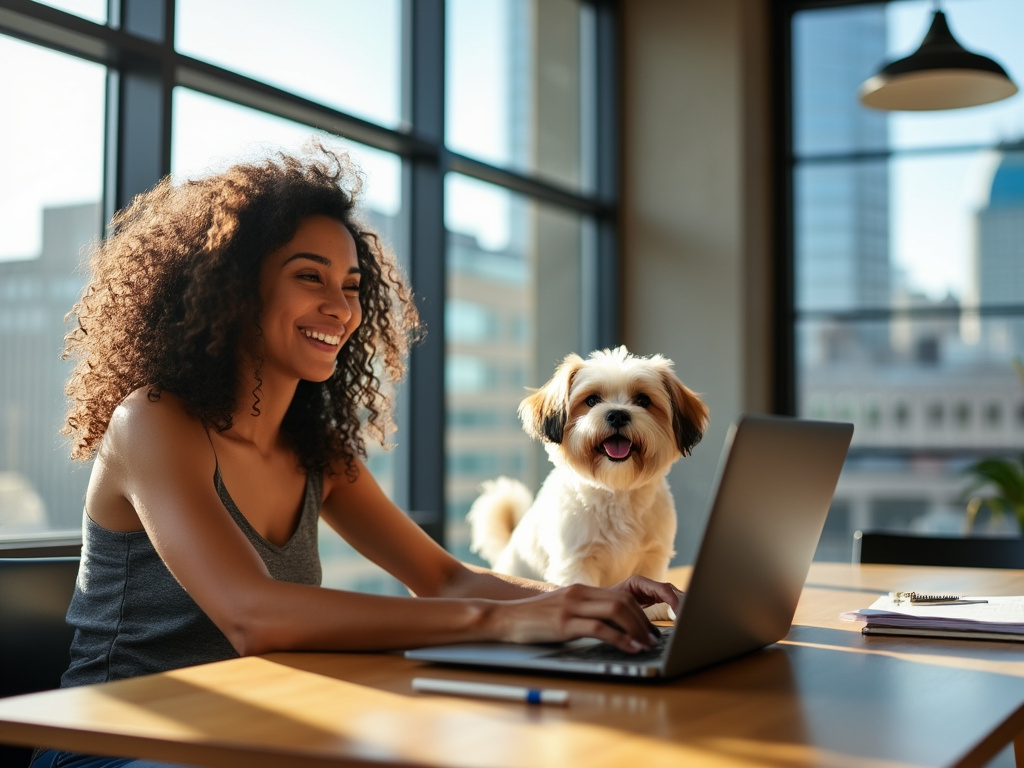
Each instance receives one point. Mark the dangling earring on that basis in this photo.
(256, 392)
(255, 411)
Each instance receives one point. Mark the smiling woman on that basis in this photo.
(240, 335)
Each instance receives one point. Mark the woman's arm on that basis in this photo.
(369, 521)
(157, 460)
(365, 517)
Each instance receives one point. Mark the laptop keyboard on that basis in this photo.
(611, 654)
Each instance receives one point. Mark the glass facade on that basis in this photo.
(908, 264)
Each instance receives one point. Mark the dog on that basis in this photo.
(612, 425)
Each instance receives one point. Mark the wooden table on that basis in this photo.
(826, 696)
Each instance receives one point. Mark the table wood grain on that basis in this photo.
(825, 696)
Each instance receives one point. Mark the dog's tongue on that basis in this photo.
(617, 447)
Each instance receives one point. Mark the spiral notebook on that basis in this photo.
(776, 478)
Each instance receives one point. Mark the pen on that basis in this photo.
(490, 691)
(917, 598)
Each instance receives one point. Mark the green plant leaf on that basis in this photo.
(1005, 475)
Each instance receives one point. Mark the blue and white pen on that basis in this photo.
(490, 691)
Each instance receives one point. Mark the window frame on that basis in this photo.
(787, 314)
(137, 46)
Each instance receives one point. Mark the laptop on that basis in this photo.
(775, 482)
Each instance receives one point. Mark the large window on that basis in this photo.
(514, 308)
(907, 253)
(51, 183)
(489, 171)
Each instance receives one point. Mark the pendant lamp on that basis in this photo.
(941, 74)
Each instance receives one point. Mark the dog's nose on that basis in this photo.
(617, 419)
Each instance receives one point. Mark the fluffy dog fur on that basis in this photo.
(612, 425)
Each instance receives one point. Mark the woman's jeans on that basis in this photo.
(53, 758)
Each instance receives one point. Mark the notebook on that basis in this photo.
(964, 618)
(775, 482)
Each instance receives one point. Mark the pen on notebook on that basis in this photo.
(490, 691)
(916, 598)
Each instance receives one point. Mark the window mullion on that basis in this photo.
(420, 464)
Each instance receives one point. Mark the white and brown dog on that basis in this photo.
(613, 425)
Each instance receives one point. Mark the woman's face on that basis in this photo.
(310, 293)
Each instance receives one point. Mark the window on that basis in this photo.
(520, 84)
(344, 54)
(501, 206)
(907, 253)
(526, 268)
(93, 10)
(51, 186)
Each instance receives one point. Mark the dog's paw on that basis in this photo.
(660, 612)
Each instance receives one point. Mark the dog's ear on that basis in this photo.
(545, 412)
(689, 413)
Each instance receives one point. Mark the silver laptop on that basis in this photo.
(775, 483)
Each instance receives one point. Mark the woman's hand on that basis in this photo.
(648, 592)
(613, 614)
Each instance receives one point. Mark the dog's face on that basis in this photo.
(616, 419)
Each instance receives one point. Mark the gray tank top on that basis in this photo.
(131, 617)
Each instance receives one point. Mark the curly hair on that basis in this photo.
(175, 285)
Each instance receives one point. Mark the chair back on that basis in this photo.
(34, 637)
(957, 551)
(35, 640)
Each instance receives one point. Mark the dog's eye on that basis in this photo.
(642, 400)
(592, 401)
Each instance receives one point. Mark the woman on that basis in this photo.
(235, 330)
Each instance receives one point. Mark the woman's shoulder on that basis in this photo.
(149, 443)
(145, 415)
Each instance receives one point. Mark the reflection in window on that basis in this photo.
(50, 191)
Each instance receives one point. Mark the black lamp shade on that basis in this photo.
(941, 74)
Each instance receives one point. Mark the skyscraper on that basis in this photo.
(1000, 253)
(842, 206)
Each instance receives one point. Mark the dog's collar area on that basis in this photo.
(617, 448)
